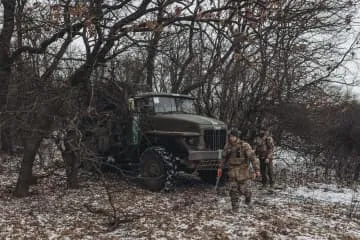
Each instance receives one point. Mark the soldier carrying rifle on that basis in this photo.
(238, 154)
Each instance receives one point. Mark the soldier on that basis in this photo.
(237, 154)
(264, 149)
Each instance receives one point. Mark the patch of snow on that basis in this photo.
(285, 158)
(328, 193)
(191, 212)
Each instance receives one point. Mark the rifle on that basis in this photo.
(219, 173)
(218, 177)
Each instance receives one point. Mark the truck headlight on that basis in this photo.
(192, 141)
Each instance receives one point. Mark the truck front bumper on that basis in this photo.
(204, 160)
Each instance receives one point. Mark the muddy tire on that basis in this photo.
(158, 169)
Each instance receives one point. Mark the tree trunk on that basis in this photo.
(6, 141)
(26, 178)
(357, 172)
(5, 64)
(41, 127)
(70, 156)
(71, 168)
(5, 43)
(150, 61)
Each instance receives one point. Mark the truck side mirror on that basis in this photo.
(131, 103)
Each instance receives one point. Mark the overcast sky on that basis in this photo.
(353, 66)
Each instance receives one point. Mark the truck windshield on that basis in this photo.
(171, 104)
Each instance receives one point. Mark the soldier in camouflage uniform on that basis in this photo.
(238, 154)
(264, 149)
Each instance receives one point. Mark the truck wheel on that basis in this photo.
(158, 169)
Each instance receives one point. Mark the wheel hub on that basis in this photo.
(154, 170)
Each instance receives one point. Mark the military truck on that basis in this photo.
(166, 135)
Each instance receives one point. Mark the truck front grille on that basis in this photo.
(215, 139)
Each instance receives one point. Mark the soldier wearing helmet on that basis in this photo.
(238, 154)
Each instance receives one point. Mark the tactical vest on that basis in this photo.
(262, 146)
(237, 154)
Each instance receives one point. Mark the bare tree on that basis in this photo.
(248, 55)
(107, 30)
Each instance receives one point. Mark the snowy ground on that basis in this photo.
(193, 211)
